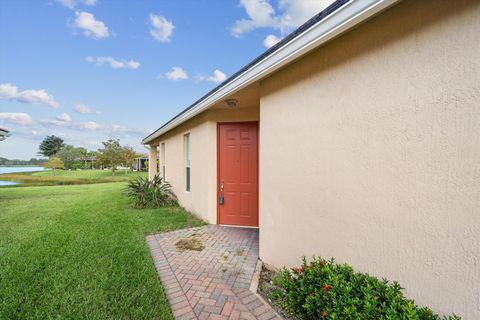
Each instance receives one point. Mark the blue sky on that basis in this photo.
(90, 70)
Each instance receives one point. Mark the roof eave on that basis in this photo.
(5, 132)
(339, 21)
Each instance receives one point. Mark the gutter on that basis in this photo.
(341, 19)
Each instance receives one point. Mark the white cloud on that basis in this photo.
(53, 123)
(10, 92)
(84, 109)
(261, 14)
(162, 29)
(91, 27)
(118, 130)
(112, 130)
(64, 117)
(116, 64)
(218, 76)
(20, 118)
(297, 12)
(71, 4)
(271, 40)
(89, 125)
(29, 132)
(176, 74)
(90, 2)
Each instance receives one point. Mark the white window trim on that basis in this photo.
(187, 155)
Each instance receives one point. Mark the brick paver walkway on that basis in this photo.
(212, 283)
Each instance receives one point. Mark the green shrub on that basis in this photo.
(323, 289)
(150, 194)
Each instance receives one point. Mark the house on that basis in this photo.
(141, 163)
(4, 134)
(356, 137)
(88, 161)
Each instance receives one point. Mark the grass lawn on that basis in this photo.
(89, 174)
(78, 252)
(65, 177)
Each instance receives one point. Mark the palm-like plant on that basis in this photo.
(150, 193)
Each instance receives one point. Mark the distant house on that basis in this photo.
(88, 162)
(356, 137)
(4, 134)
(141, 163)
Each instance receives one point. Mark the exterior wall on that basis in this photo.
(370, 153)
(152, 162)
(202, 198)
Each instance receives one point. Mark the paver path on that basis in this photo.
(212, 283)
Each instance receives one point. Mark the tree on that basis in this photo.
(72, 156)
(54, 163)
(128, 155)
(111, 154)
(16, 162)
(50, 146)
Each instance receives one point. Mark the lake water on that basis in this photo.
(15, 170)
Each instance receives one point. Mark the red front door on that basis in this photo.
(238, 174)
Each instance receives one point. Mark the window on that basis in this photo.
(162, 159)
(186, 143)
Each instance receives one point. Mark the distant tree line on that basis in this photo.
(17, 162)
(62, 156)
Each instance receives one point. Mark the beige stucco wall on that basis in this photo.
(370, 153)
(201, 200)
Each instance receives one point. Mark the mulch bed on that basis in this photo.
(265, 287)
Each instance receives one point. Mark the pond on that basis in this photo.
(16, 170)
(7, 183)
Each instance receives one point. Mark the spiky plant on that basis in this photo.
(150, 193)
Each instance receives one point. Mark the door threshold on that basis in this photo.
(237, 226)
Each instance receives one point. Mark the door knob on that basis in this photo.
(222, 198)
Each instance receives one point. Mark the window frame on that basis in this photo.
(187, 142)
(162, 159)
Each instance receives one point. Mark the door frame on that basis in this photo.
(217, 202)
